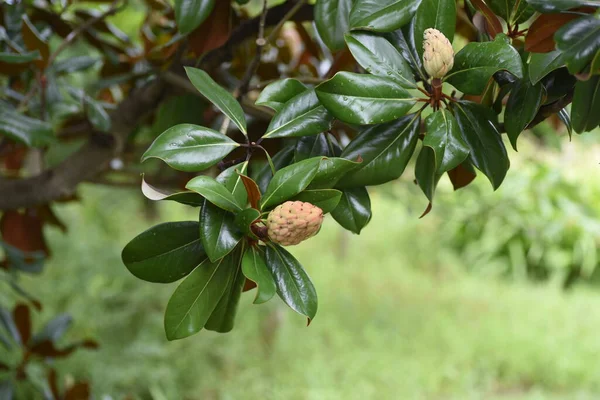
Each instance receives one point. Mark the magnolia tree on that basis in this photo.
(270, 118)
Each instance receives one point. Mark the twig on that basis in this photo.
(82, 28)
(285, 19)
(253, 66)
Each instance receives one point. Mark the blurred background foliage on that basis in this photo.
(409, 309)
(466, 303)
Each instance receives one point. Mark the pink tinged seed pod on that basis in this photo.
(293, 222)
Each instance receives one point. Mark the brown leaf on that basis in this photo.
(249, 285)
(23, 231)
(22, 318)
(214, 31)
(427, 210)
(252, 190)
(47, 215)
(13, 156)
(34, 41)
(4, 367)
(47, 349)
(61, 27)
(540, 36)
(493, 24)
(79, 391)
(461, 176)
(53, 383)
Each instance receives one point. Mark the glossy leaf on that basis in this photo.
(353, 212)
(218, 232)
(332, 170)
(326, 199)
(585, 110)
(220, 97)
(35, 42)
(493, 25)
(290, 181)
(302, 115)
(255, 269)
(222, 318)
(541, 65)
(283, 158)
(232, 180)
(382, 15)
(312, 146)
(385, 151)
(97, 115)
(523, 104)
(245, 218)
(564, 116)
(445, 139)
(190, 148)
(512, 10)
(156, 194)
(476, 63)
(276, 94)
(425, 172)
(165, 253)
(23, 129)
(547, 6)
(189, 14)
(331, 20)
(379, 57)
(214, 192)
(438, 14)
(487, 151)
(196, 298)
(20, 58)
(364, 99)
(579, 40)
(293, 284)
(403, 41)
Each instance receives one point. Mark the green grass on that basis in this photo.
(396, 320)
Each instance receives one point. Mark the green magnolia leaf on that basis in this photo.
(232, 180)
(541, 64)
(487, 151)
(438, 14)
(156, 194)
(426, 173)
(326, 199)
(302, 115)
(220, 97)
(244, 219)
(512, 11)
(312, 146)
(385, 151)
(20, 58)
(331, 19)
(165, 253)
(548, 6)
(218, 232)
(255, 269)
(564, 116)
(276, 94)
(214, 192)
(196, 298)
(523, 104)
(290, 181)
(476, 63)
(445, 139)
(364, 99)
(74, 64)
(331, 171)
(293, 284)
(222, 318)
(579, 40)
(97, 115)
(283, 158)
(189, 14)
(190, 148)
(379, 57)
(404, 43)
(23, 129)
(353, 212)
(382, 15)
(585, 110)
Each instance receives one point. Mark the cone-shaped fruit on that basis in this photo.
(438, 55)
(293, 222)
